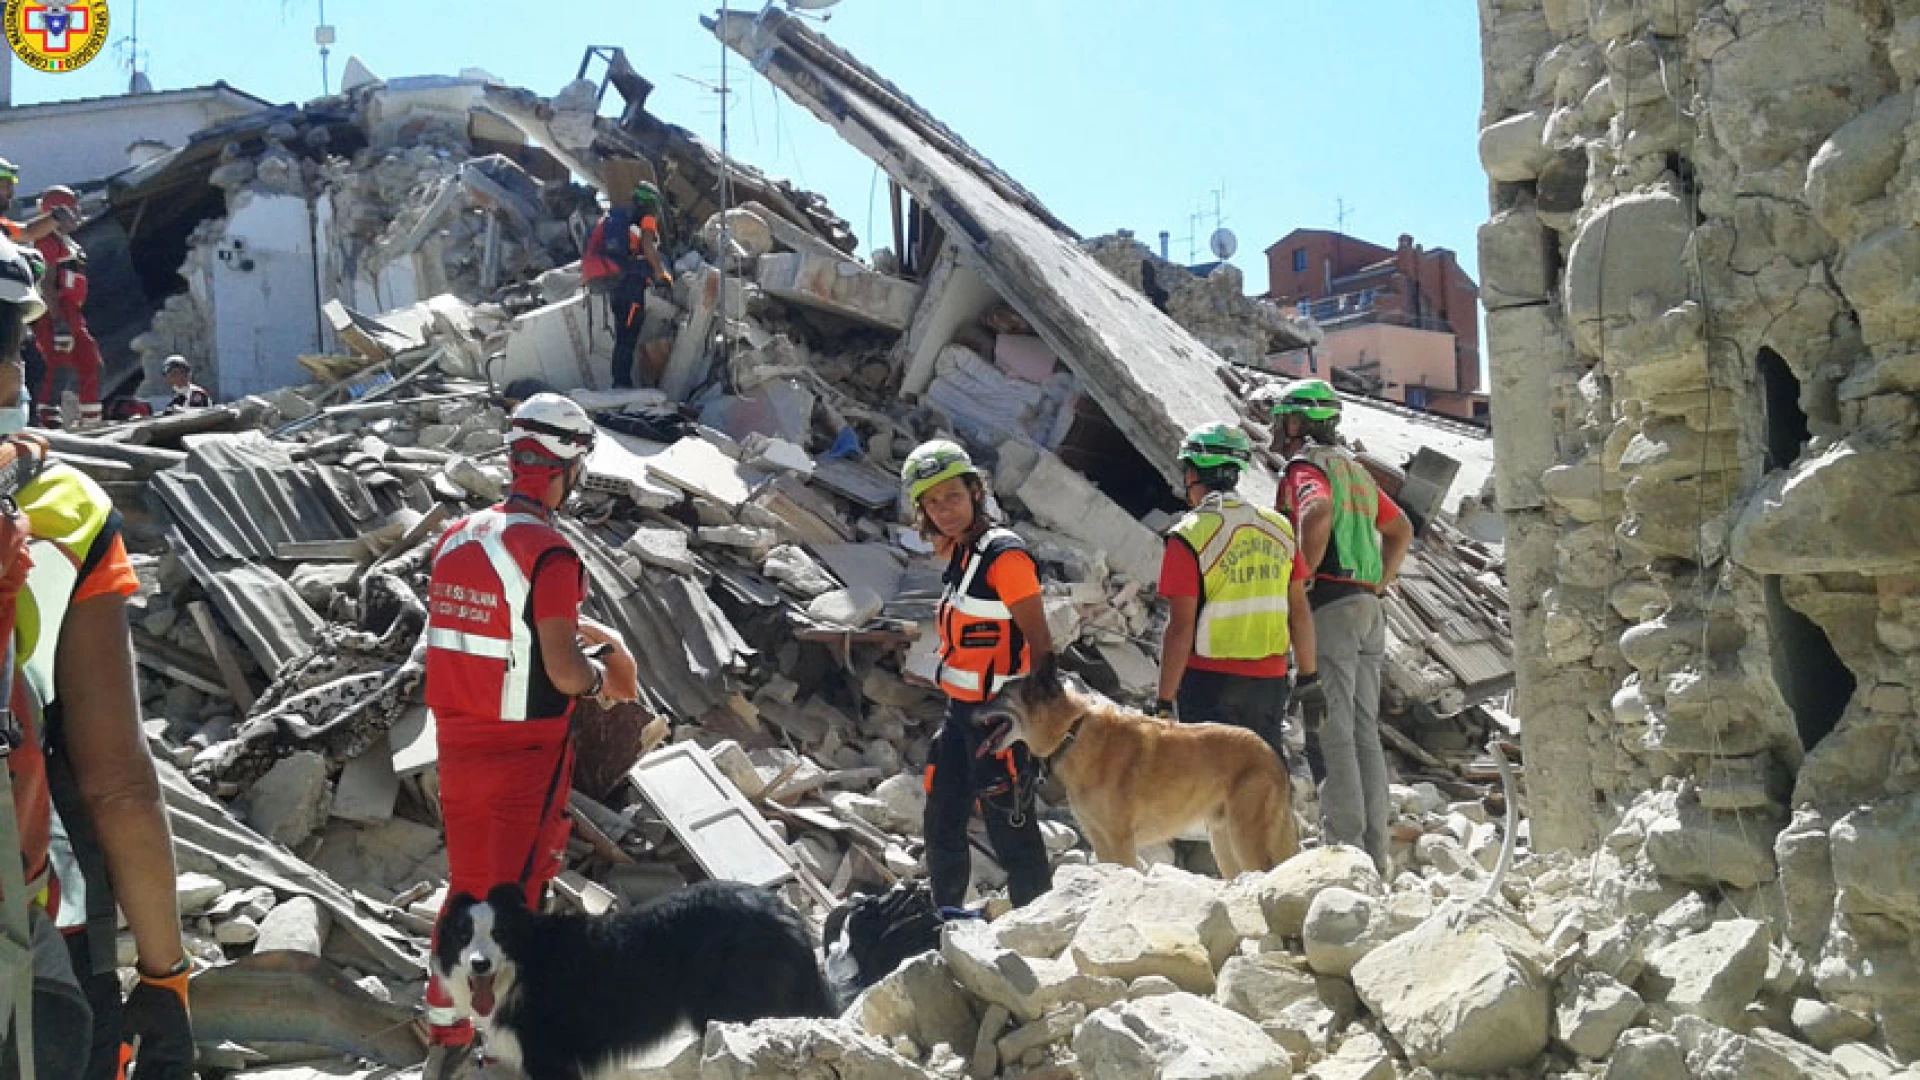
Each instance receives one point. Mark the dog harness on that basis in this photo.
(480, 639)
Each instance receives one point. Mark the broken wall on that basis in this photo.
(1702, 316)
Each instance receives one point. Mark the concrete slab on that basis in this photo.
(955, 295)
(568, 344)
(687, 363)
(1066, 502)
(698, 466)
(838, 286)
(368, 786)
(1151, 377)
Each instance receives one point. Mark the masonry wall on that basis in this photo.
(1703, 284)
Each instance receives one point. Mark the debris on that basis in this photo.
(1177, 1035)
(290, 801)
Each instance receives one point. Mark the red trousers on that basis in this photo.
(495, 779)
(83, 358)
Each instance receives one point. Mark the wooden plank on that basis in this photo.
(347, 550)
(151, 652)
(223, 658)
(710, 817)
(433, 520)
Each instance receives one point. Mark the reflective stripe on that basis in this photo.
(439, 637)
(442, 1016)
(1220, 611)
(961, 602)
(487, 528)
(1244, 556)
(970, 680)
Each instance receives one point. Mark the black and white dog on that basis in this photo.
(562, 995)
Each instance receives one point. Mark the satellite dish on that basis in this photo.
(1223, 244)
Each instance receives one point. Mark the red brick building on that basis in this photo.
(1406, 320)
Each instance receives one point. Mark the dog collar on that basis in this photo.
(1066, 744)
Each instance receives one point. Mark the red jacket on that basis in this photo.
(483, 656)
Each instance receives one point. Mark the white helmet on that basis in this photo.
(560, 428)
(17, 275)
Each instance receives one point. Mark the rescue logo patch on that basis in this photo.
(56, 35)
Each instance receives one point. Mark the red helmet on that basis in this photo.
(59, 195)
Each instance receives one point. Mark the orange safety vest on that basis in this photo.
(981, 649)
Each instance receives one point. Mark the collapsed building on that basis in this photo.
(1699, 272)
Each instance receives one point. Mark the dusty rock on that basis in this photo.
(1166, 922)
(197, 892)
(904, 797)
(1058, 1025)
(1262, 986)
(299, 925)
(985, 1060)
(1591, 1010)
(1362, 1057)
(1647, 1055)
(770, 1049)
(1515, 149)
(238, 930)
(991, 972)
(1463, 992)
(1288, 890)
(1827, 1026)
(1046, 927)
(921, 1001)
(1341, 927)
(290, 801)
(1177, 1037)
(1713, 974)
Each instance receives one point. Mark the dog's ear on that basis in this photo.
(1045, 679)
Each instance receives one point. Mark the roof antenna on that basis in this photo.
(137, 81)
(323, 36)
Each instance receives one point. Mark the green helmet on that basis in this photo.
(932, 463)
(1310, 399)
(1215, 445)
(645, 195)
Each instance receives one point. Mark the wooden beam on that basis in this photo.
(223, 658)
(151, 652)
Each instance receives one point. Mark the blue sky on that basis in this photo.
(1116, 113)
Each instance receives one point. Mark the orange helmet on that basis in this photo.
(59, 195)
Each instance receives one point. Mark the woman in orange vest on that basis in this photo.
(993, 630)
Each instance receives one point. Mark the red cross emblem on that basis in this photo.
(56, 27)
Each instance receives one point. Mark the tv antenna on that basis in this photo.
(1341, 213)
(323, 36)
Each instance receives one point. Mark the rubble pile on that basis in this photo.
(1562, 966)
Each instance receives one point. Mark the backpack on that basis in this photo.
(882, 932)
(596, 269)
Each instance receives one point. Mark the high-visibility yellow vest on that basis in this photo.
(1353, 551)
(1245, 554)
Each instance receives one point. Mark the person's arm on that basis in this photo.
(1030, 615)
(652, 254)
(1016, 580)
(1396, 536)
(1176, 647)
(1306, 660)
(36, 227)
(568, 668)
(1306, 499)
(115, 775)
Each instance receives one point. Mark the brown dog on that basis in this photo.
(1133, 779)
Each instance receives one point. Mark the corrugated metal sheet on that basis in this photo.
(243, 495)
(269, 617)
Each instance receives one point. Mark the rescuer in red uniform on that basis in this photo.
(507, 656)
(63, 338)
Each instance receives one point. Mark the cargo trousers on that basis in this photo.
(1351, 636)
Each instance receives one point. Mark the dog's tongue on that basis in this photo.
(990, 744)
(481, 987)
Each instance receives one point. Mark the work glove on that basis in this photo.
(1163, 710)
(665, 280)
(157, 1018)
(1311, 695)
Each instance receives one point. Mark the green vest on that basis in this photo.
(1246, 560)
(1353, 553)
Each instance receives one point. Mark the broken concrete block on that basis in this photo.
(662, 547)
(239, 930)
(1362, 1057)
(905, 798)
(1590, 1011)
(566, 345)
(784, 1048)
(851, 608)
(368, 787)
(1463, 992)
(1166, 922)
(990, 972)
(733, 763)
(756, 542)
(747, 235)
(838, 286)
(1063, 500)
(1045, 927)
(290, 801)
(299, 925)
(984, 1062)
(1647, 1055)
(920, 1000)
(1262, 986)
(197, 892)
(1289, 888)
(1177, 1036)
(1057, 1026)
(1827, 1026)
(1713, 974)
(1341, 927)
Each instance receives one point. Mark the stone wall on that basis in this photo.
(1702, 276)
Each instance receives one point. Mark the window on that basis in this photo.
(1417, 397)
(1299, 260)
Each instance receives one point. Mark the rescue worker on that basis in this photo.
(623, 259)
(187, 394)
(87, 802)
(1354, 537)
(507, 659)
(63, 339)
(993, 630)
(1236, 585)
(31, 230)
